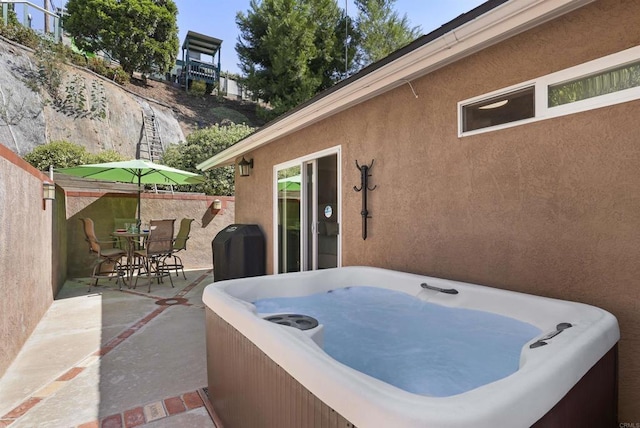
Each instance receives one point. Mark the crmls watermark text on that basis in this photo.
(629, 425)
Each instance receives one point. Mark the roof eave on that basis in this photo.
(501, 21)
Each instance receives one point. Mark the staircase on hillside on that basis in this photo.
(151, 144)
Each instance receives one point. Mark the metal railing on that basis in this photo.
(27, 8)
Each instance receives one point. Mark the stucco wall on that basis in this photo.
(549, 208)
(27, 276)
(104, 207)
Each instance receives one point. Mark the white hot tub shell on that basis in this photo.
(528, 397)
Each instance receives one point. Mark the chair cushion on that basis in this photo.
(112, 252)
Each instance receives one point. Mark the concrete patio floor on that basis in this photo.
(110, 358)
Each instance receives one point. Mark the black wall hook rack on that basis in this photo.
(364, 187)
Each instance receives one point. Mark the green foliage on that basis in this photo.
(200, 146)
(606, 82)
(98, 66)
(381, 30)
(64, 154)
(120, 76)
(60, 154)
(19, 33)
(103, 68)
(12, 18)
(106, 156)
(197, 88)
(289, 50)
(49, 75)
(265, 114)
(221, 113)
(82, 102)
(141, 34)
(75, 99)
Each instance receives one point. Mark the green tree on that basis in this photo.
(381, 30)
(289, 50)
(141, 34)
(200, 146)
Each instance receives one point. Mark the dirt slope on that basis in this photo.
(192, 111)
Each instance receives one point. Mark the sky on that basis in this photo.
(217, 18)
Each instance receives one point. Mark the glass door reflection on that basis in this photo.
(289, 219)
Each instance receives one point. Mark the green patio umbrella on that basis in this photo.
(136, 171)
(290, 184)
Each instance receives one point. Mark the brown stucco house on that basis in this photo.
(505, 150)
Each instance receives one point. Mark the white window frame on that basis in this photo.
(301, 161)
(541, 92)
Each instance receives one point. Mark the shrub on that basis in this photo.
(197, 88)
(106, 156)
(98, 66)
(200, 146)
(64, 154)
(20, 34)
(120, 76)
(60, 154)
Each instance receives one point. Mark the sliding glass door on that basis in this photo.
(308, 213)
(289, 219)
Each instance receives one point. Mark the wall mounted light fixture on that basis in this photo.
(48, 191)
(245, 167)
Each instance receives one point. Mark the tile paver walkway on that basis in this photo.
(147, 366)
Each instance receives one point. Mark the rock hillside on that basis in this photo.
(96, 112)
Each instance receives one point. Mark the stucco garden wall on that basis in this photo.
(29, 278)
(42, 243)
(104, 207)
(549, 208)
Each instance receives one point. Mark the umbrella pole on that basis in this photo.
(139, 204)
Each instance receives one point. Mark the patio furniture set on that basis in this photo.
(134, 252)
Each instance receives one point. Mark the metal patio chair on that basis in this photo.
(107, 256)
(173, 261)
(157, 247)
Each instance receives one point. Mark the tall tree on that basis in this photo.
(141, 34)
(381, 30)
(289, 50)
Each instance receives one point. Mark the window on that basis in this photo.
(607, 82)
(602, 82)
(511, 107)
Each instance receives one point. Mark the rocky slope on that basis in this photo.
(96, 112)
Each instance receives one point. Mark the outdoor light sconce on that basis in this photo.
(216, 206)
(48, 191)
(245, 166)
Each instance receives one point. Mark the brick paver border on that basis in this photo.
(129, 418)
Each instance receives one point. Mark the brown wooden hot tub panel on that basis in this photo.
(592, 402)
(247, 389)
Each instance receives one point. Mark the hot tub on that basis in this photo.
(263, 374)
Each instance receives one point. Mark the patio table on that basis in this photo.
(131, 238)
